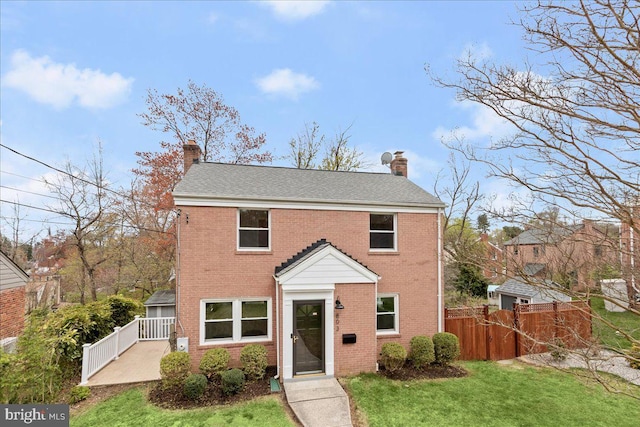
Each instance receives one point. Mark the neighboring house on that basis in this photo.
(161, 304)
(630, 253)
(13, 282)
(320, 267)
(570, 254)
(492, 267)
(531, 291)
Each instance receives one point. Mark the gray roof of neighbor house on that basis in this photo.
(517, 287)
(532, 268)
(268, 183)
(164, 297)
(537, 236)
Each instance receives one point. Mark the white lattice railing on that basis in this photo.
(97, 355)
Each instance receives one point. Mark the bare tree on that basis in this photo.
(574, 115)
(338, 155)
(83, 199)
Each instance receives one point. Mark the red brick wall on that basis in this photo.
(211, 267)
(358, 317)
(12, 306)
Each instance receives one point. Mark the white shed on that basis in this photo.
(532, 291)
(492, 296)
(161, 304)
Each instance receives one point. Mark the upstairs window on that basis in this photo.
(382, 231)
(253, 229)
(536, 251)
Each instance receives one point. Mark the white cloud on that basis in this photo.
(295, 10)
(476, 52)
(485, 123)
(61, 85)
(287, 83)
(213, 18)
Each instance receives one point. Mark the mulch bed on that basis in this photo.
(408, 372)
(174, 398)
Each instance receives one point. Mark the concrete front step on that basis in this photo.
(319, 402)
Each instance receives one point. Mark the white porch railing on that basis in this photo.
(97, 355)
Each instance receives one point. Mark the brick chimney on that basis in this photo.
(192, 154)
(399, 164)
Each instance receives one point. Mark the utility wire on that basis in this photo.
(103, 222)
(100, 187)
(26, 191)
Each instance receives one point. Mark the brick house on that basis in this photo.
(13, 281)
(492, 267)
(320, 267)
(569, 254)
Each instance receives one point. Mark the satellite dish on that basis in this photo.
(386, 158)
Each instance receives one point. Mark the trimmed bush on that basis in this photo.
(634, 353)
(421, 351)
(559, 350)
(79, 393)
(214, 362)
(393, 356)
(254, 361)
(175, 368)
(446, 347)
(232, 381)
(195, 385)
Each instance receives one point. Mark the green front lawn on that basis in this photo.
(626, 321)
(492, 395)
(131, 408)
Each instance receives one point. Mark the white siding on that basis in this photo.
(11, 276)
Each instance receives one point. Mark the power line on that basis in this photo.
(103, 222)
(26, 191)
(99, 187)
(22, 176)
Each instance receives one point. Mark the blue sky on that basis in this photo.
(74, 73)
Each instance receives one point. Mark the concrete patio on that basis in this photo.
(140, 363)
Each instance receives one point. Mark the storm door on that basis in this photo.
(308, 337)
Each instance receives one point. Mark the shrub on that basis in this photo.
(175, 368)
(194, 386)
(421, 351)
(123, 309)
(634, 353)
(393, 356)
(446, 347)
(232, 381)
(559, 351)
(214, 362)
(254, 361)
(79, 393)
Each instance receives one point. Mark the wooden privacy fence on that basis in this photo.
(505, 334)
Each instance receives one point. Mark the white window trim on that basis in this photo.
(396, 318)
(252, 249)
(395, 233)
(236, 310)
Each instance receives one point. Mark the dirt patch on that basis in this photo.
(409, 372)
(174, 398)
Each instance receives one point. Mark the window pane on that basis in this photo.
(381, 222)
(254, 219)
(254, 309)
(386, 321)
(214, 330)
(386, 305)
(254, 328)
(381, 241)
(254, 238)
(218, 310)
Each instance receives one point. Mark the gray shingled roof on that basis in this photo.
(165, 297)
(536, 236)
(267, 183)
(517, 287)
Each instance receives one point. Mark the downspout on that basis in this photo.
(277, 331)
(178, 275)
(440, 290)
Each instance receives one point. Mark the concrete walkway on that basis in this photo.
(140, 363)
(319, 402)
